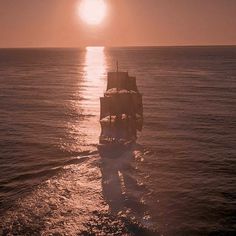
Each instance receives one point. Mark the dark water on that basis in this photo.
(179, 180)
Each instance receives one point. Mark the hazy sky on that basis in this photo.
(56, 23)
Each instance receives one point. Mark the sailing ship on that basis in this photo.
(121, 111)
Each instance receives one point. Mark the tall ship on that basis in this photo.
(121, 111)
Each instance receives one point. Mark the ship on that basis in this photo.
(121, 111)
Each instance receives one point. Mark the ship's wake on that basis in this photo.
(93, 195)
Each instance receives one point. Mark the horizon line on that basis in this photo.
(126, 46)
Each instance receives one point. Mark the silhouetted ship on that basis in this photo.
(121, 114)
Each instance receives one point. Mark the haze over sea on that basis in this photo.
(178, 180)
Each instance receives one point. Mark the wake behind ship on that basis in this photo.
(121, 114)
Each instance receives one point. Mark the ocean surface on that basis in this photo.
(180, 177)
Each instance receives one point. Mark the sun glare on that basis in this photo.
(92, 11)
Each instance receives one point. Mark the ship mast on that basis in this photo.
(117, 66)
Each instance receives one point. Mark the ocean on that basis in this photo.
(179, 179)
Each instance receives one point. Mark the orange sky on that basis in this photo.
(55, 23)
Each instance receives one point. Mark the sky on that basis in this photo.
(56, 23)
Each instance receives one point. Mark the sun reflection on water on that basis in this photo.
(92, 87)
(94, 72)
(84, 128)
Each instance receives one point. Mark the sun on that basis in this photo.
(92, 11)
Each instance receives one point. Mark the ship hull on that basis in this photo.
(115, 147)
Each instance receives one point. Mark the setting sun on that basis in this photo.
(92, 11)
